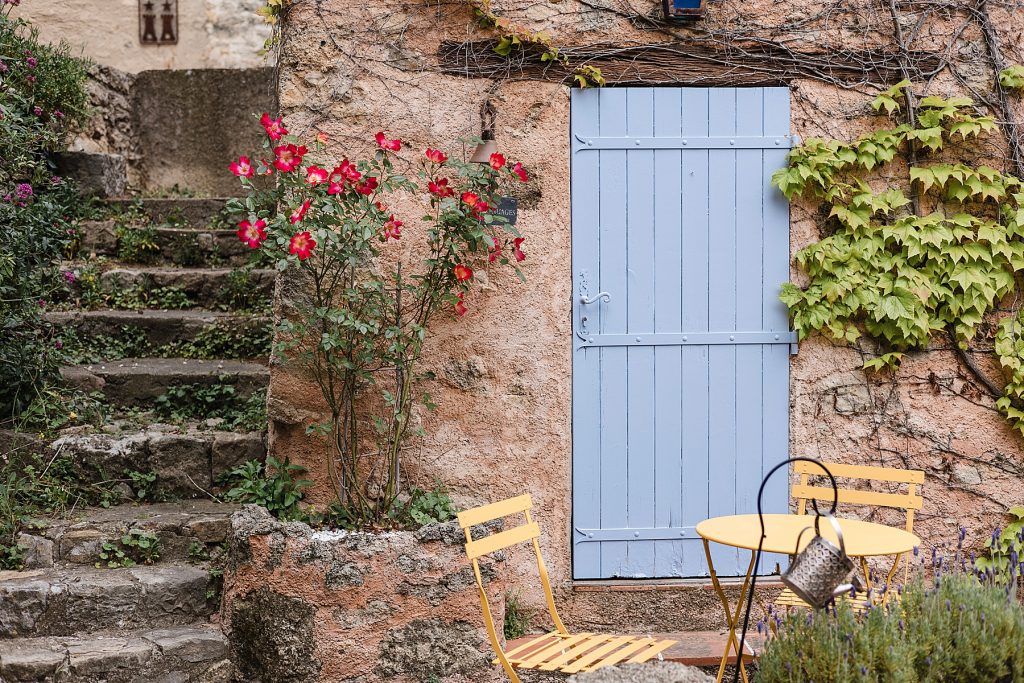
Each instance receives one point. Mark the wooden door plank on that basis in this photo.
(668, 368)
(694, 303)
(722, 317)
(640, 424)
(749, 285)
(614, 502)
(586, 370)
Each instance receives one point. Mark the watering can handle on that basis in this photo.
(817, 531)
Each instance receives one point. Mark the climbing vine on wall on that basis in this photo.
(901, 264)
(515, 37)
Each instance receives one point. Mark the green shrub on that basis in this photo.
(43, 97)
(277, 486)
(960, 630)
(517, 617)
(426, 507)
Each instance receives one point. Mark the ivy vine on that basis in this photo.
(900, 264)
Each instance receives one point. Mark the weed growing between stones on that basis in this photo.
(217, 341)
(276, 485)
(517, 617)
(241, 294)
(426, 507)
(34, 487)
(56, 407)
(218, 402)
(135, 546)
(137, 244)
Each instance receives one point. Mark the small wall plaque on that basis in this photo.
(509, 208)
(158, 22)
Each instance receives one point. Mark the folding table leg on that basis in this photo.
(731, 618)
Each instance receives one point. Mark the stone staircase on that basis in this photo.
(192, 335)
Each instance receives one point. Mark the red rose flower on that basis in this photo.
(301, 245)
(470, 199)
(243, 168)
(335, 188)
(300, 213)
(346, 172)
(316, 175)
(460, 306)
(367, 186)
(252, 234)
(519, 254)
(494, 252)
(436, 156)
(463, 273)
(385, 144)
(274, 127)
(289, 157)
(440, 188)
(393, 228)
(322, 138)
(497, 161)
(381, 207)
(518, 170)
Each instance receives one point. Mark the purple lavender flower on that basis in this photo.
(23, 190)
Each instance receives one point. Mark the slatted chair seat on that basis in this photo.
(558, 650)
(909, 502)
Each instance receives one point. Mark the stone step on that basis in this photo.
(183, 246)
(184, 211)
(183, 654)
(187, 531)
(69, 601)
(138, 381)
(223, 332)
(205, 287)
(186, 463)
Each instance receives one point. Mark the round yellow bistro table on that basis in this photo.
(862, 539)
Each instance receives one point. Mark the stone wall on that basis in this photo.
(503, 373)
(212, 34)
(303, 606)
(175, 128)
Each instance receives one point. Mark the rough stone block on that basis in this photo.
(101, 656)
(38, 551)
(98, 237)
(183, 463)
(82, 546)
(23, 601)
(35, 659)
(653, 672)
(104, 175)
(190, 644)
(231, 450)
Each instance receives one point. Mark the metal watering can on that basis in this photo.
(817, 574)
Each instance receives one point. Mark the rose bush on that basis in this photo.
(361, 316)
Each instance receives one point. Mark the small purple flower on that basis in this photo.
(863, 671)
(30, 79)
(37, 110)
(32, 62)
(42, 303)
(58, 345)
(916, 550)
(69, 276)
(23, 190)
(55, 180)
(3, 68)
(58, 114)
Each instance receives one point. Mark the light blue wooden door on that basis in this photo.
(680, 343)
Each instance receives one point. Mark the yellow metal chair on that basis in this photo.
(558, 650)
(909, 502)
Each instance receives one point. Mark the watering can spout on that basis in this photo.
(844, 589)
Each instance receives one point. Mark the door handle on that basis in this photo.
(586, 300)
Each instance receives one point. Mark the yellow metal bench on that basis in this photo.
(558, 650)
(909, 502)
